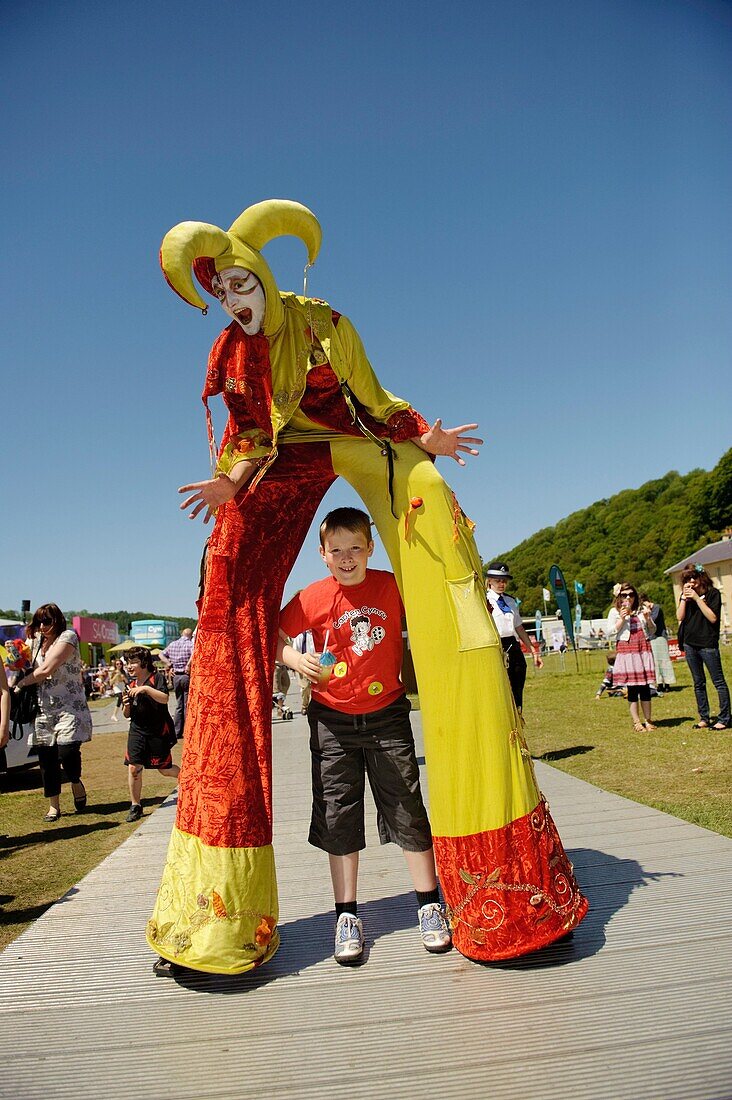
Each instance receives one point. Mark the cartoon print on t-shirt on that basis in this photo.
(363, 636)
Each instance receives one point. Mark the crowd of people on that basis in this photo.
(48, 691)
(640, 668)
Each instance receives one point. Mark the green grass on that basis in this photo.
(685, 772)
(41, 862)
(677, 769)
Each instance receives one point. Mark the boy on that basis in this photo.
(359, 723)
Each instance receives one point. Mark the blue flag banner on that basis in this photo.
(559, 588)
(579, 588)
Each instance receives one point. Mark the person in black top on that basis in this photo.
(698, 614)
(151, 735)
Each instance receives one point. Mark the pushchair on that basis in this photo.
(279, 693)
(279, 707)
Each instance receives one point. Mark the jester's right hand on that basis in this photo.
(209, 495)
(218, 490)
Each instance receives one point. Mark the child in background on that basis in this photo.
(606, 684)
(359, 724)
(151, 735)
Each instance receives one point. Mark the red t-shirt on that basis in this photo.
(364, 624)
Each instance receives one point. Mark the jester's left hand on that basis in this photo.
(449, 441)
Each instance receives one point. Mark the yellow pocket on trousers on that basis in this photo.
(473, 621)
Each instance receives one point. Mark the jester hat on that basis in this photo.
(208, 249)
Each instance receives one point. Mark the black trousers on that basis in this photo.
(54, 759)
(516, 668)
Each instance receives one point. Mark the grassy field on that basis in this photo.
(682, 771)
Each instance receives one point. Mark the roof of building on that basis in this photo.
(714, 552)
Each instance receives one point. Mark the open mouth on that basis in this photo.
(244, 315)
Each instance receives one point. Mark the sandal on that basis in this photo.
(52, 816)
(79, 803)
(700, 725)
(164, 968)
(649, 726)
(720, 726)
(639, 727)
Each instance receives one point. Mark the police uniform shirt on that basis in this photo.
(506, 620)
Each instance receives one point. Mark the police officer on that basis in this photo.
(508, 623)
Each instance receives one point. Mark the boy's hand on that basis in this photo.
(309, 665)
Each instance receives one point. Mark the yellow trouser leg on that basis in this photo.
(478, 778)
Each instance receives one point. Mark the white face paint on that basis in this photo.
(242, 296)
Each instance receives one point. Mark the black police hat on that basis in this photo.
(499, 569)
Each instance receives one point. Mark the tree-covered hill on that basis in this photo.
(632, 536)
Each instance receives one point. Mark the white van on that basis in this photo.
(18, 753)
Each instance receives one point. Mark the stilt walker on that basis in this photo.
(304, 408)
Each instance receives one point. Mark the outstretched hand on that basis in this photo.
(450, 441)
(209, 494)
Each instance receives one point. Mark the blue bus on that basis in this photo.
(153, 633)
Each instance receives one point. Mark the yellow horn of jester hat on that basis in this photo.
(239, 247)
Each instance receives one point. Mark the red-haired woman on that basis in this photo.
(634, 667)
(698, 614)
(64, 721)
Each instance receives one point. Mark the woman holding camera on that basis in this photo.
(64, 720)
(634, 668)
(151, 735)
(698, 614)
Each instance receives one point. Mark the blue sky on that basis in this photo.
(525, 212)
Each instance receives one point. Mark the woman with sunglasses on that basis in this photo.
(64, 720)
(634, 668)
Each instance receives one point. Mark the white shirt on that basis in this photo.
(506, 621)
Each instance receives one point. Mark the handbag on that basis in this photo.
(25, 705)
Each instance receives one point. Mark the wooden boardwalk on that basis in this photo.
(638, 1004)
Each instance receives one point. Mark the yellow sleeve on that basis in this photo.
(252, 444)
(359, 374)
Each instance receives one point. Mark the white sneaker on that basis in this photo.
(348, 940)
(433, 928)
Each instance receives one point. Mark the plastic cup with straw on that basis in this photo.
(326, 661)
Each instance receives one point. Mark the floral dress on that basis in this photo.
(634, 665)
(64, 716)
